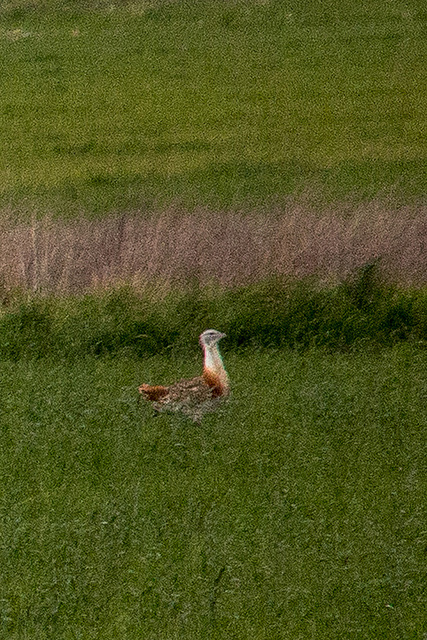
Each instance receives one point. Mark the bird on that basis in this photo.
(199, 395)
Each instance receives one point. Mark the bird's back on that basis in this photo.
(192, 397)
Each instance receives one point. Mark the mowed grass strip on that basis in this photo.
(210, 103)
(298, 511)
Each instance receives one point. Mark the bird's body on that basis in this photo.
(199, 395)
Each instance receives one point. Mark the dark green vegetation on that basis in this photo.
(219, 103)
(297, 512)
(269, 314)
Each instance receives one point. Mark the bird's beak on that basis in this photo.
(223, 335)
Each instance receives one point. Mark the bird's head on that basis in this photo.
(210, 337)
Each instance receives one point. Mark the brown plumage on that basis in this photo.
(199, 395)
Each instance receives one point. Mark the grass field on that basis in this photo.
(210, 103)
(265, 166)
(298, 512)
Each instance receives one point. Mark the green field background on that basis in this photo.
(298, 511)
(112, 106)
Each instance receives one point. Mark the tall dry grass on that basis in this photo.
(225, 248)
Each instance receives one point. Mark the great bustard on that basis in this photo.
(199, 395)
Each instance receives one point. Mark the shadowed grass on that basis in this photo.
(298, 511)
(362, 310)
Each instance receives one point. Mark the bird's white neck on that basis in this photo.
(213, 364)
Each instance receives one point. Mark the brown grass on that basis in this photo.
(224, 248)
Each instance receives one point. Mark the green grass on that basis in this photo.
(267, 314)
(212, 103)
(298, 512)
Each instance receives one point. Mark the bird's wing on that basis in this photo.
(188, 391)
(192, 391)
(192, 398)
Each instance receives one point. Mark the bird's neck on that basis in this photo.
(214, 372)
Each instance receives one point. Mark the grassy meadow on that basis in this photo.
(255, 166)
(296, 512)
(107, 107)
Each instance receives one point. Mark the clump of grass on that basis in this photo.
(303, 314)
(26, 331)
(273, 313)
